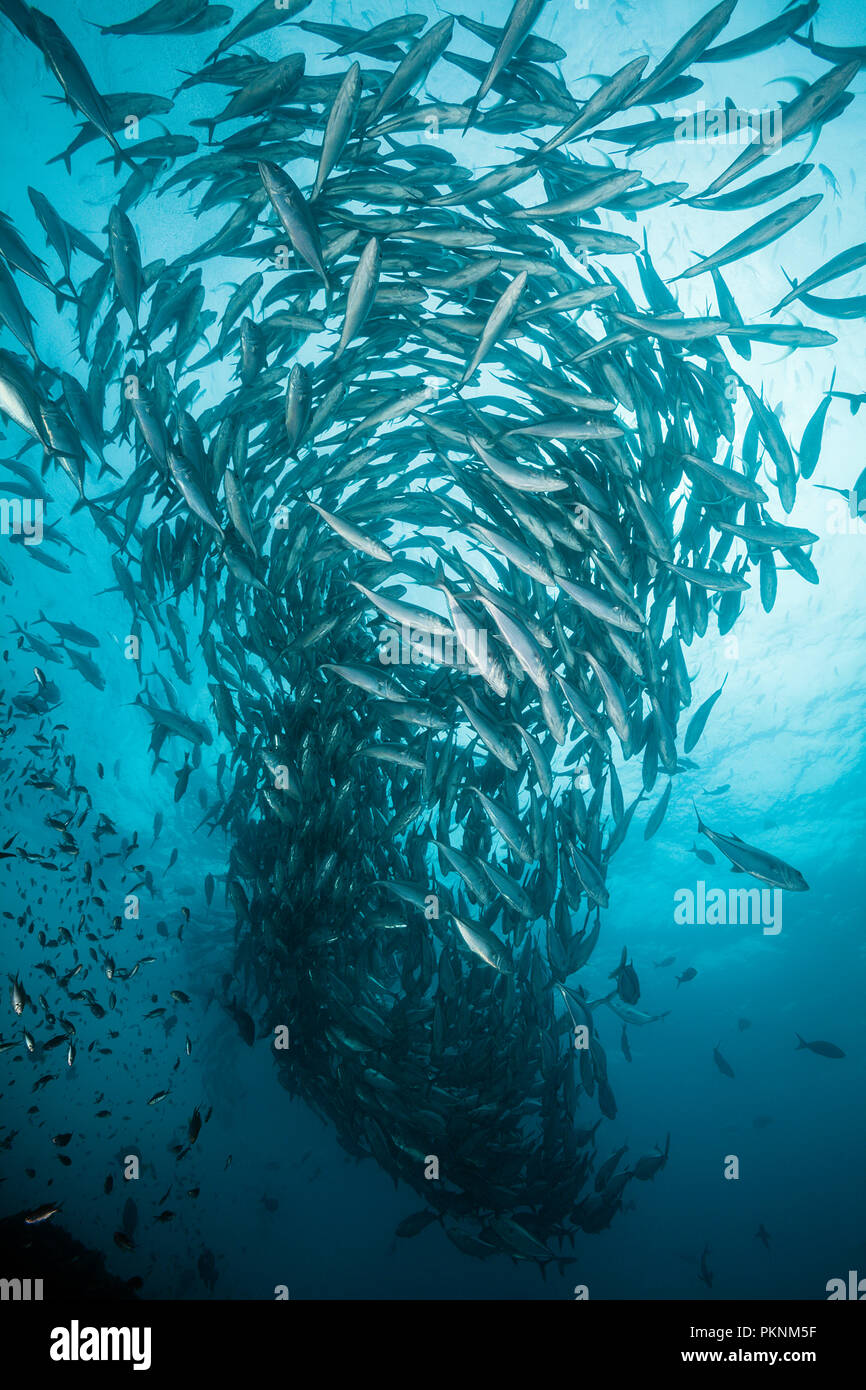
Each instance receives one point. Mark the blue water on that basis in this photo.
(786, 740)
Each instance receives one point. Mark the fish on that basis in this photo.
(263, 16)
(414, 66)
(806, 109)
(685, 51)
(755, 862)
(68, 68)
(760, 234)
(37, 1215)
(164, 17)
(723, 1065)
(852, 259)
(518, 25)
(416, 1223)
(294, 214)
(764, 37)
(698, 721)
(658, 813)
(822, 1049)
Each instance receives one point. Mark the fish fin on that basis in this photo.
(800, 1042)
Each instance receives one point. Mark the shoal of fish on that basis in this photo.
(430, 408)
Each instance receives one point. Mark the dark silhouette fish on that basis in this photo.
(705, 1273)
(823, 1049)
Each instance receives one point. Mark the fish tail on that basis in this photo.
(470, 119)
(701, 826)
(60, 298)
(800, 1042)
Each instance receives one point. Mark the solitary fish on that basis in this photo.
(823, 1049)
(756, 862)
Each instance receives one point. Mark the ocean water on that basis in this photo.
(280, 1202)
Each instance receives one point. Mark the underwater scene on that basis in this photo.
(432, 649)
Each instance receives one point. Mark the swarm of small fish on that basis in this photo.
(448, 418)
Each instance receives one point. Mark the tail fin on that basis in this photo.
(800, 1042)
(701, 826)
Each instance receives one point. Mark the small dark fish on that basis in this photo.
(724, 1066)
(823, 1049)
(417, 1222)
(687, 975)
(245, 1025)
(698, 720)
(194, 1127)
(129, 1220)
